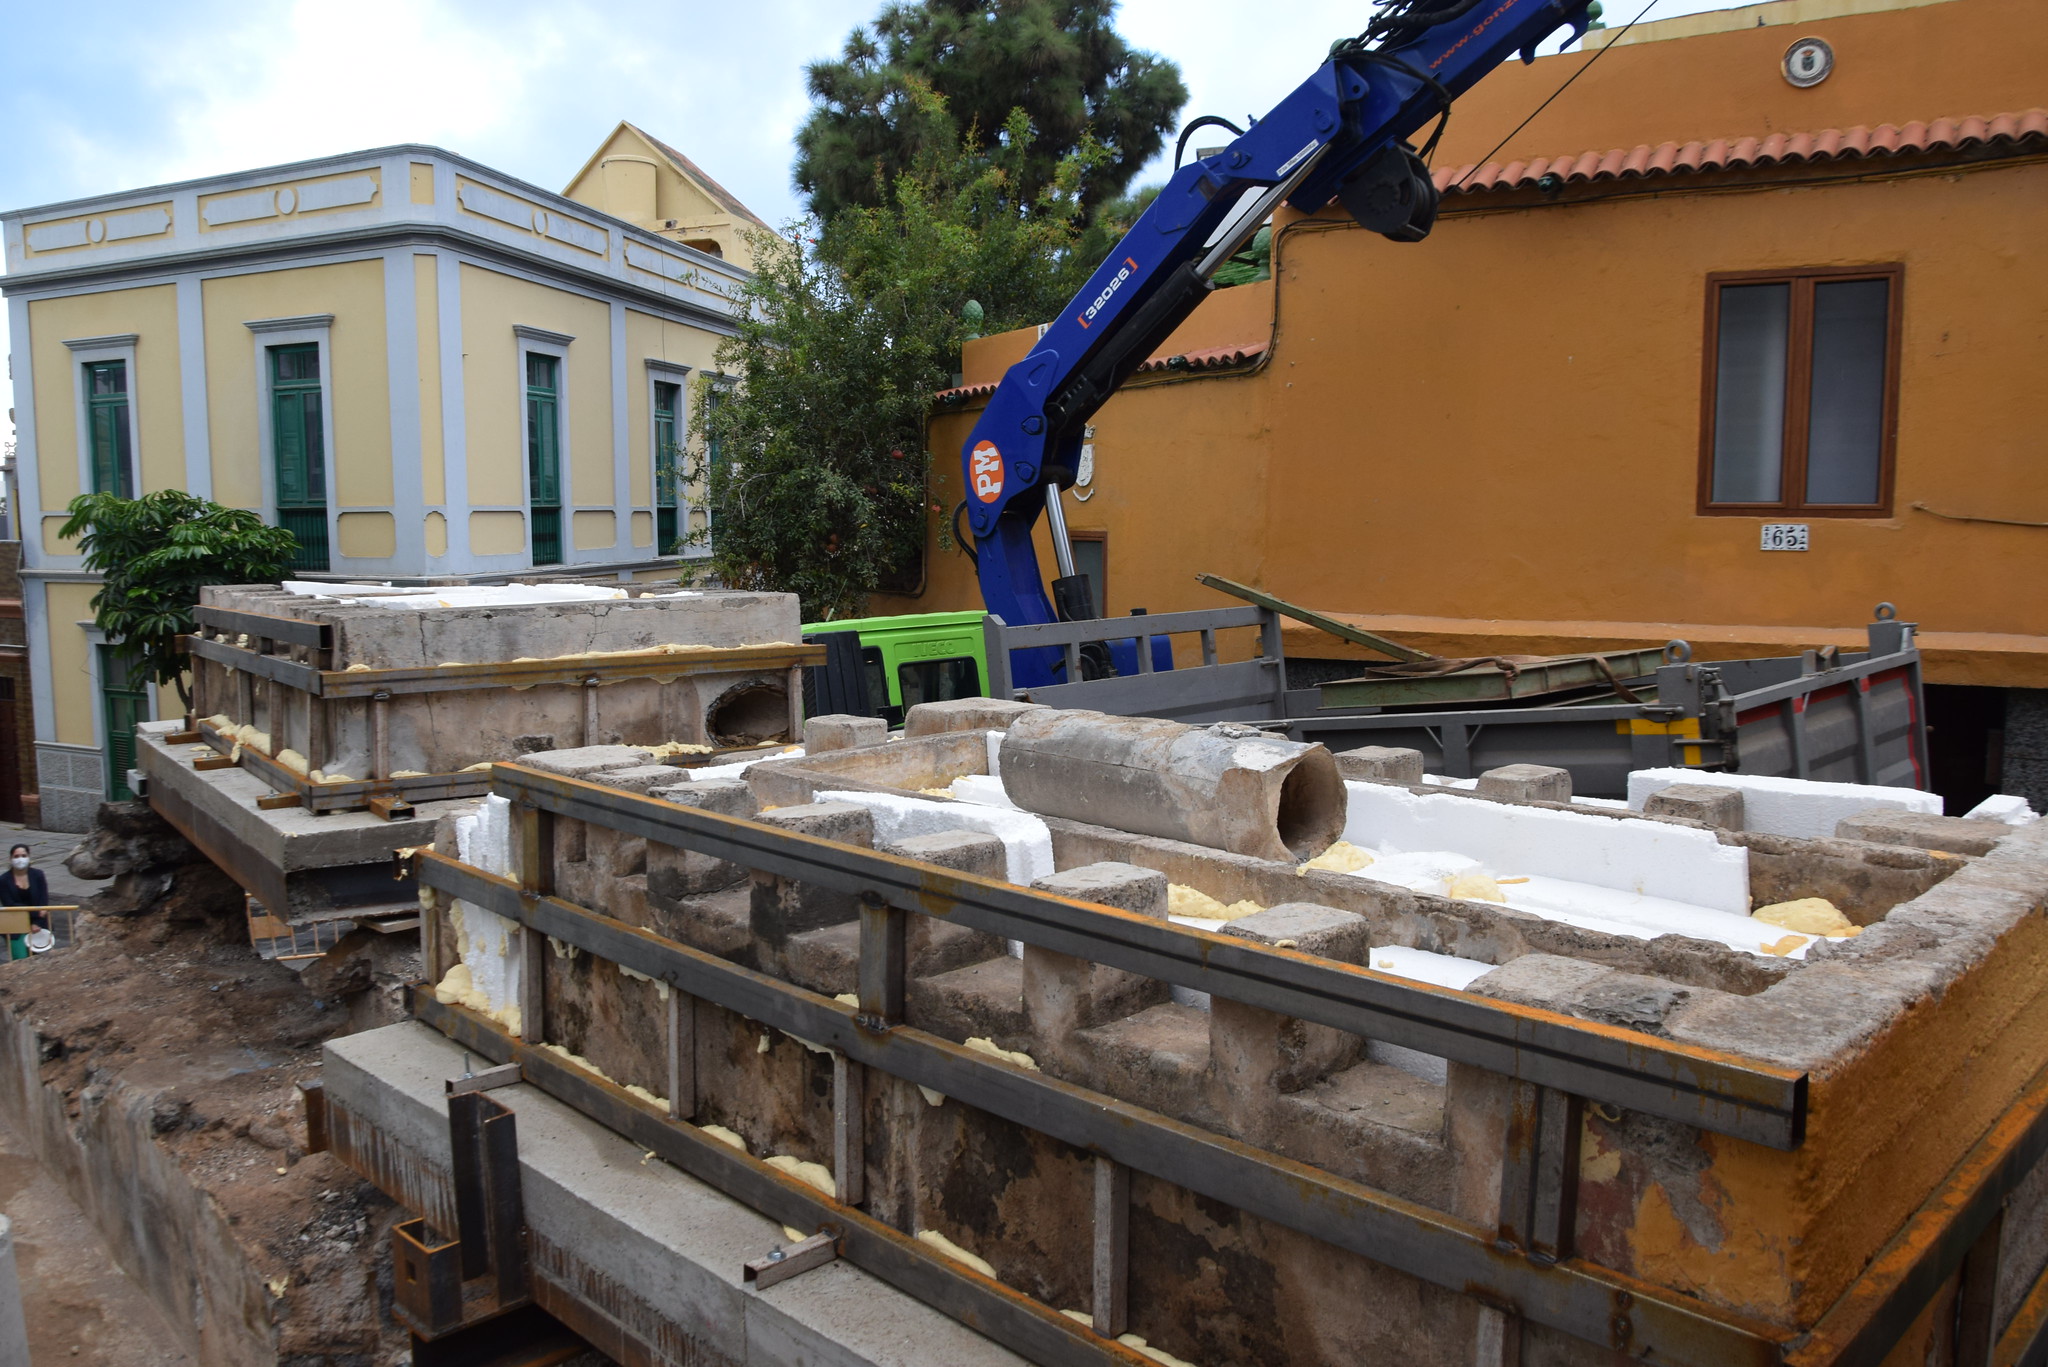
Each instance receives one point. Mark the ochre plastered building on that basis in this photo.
(1500, 440)
(422, 366)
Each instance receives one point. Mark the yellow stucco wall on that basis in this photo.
(151, 313)
(651, 338)
(426, 306)
(494, 401)
(360, 398)
(72, 694)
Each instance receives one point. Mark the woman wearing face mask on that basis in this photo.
(24, 887)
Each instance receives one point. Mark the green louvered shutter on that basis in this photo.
(106, 389)
(544, 456)
(299, 450)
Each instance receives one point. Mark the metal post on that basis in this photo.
(682, 1055)
(883, 962)
(849, 1130)
(380, 735)
(590, 711)
(535, 839)
(1112, 1247)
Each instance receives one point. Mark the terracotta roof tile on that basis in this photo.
(1214, 358)
(1721, 154)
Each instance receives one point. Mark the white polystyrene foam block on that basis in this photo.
(739, 767)
(1788, 806)
(1645, 858)
(995, 753)
(1027, 841)
(2013, 811)
(1423, 966)
(483, 840)
(467, 595)
(982, 790)
(1441, 781)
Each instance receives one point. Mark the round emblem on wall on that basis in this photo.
(1808, 62)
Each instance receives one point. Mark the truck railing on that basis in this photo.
(1212, 691)
(1829, 715)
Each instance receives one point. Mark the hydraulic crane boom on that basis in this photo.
(1342, 134)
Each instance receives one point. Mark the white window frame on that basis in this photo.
(667, 372)
(528, 339)
(86, 351)
(318, 329)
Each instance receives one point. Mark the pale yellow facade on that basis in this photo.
(415, 285)
(641, 179)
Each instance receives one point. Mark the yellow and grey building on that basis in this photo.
(421, 366)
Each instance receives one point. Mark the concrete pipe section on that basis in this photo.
(1229, 787)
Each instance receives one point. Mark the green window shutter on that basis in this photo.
(124, 704)
(298, 450)
(113, 466)
(668, 452)
(544, 455)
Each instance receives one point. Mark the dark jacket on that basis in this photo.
(36, 894)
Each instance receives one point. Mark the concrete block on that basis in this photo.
(1631, 1001)
(1527, 783)
(1342, 935)
(674, 873)
(1550, 981)
(1709, 803)
(842, 732)
(937, 946)
(1380, 764)
(782, 907)
(1063, 994)
(1123, 886)
(964, 714)
(1954, 834)
(588, 760)
(1789, 806)
(639, 778)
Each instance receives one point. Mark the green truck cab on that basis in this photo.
(924, 657)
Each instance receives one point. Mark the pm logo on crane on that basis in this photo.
(985, 469)
(1087, 316)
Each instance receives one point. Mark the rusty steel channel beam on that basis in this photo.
(1862, 1326)
(1022, 1325)
(1574, 1297)
(293, 631)
(1715, 1091)
(575, 670)
(305, 678)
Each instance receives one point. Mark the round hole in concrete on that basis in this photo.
(748, 714)
(1312, 805)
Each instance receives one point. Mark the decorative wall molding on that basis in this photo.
(481, 199)
(334, 194)
(243, 208)
(301, 323)
(541, 335)
(668, 370)
(111, 342)
(562, 228)
(152, 222)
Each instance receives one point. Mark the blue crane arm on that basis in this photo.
(1342, 134)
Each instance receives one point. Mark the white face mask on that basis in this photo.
(20, 861)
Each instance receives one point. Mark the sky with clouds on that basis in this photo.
(133, 94)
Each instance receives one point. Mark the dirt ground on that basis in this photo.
(81, 1308)
(214, 1039)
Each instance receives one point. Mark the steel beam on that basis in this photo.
(1574, 1298)
(1703, 1087)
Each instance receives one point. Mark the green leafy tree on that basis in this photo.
(155, 553)
(1061, 61)
(818, 485)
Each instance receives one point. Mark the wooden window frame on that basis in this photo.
(1799, 390)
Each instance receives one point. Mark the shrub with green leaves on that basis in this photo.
(155, 553)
